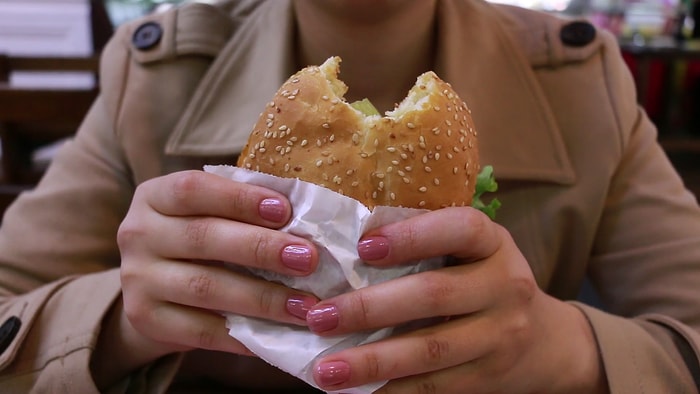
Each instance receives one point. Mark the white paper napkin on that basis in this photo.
(334, 223)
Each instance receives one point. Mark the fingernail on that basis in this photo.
(299, 306)
(322, 319)
(272, 209)
(297, 257)
(373, 248)
(333, 373)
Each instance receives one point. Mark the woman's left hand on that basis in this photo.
(500, 332)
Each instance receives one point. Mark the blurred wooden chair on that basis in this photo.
(34, 117)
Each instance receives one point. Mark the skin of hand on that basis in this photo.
(180, 241)
(498, 331)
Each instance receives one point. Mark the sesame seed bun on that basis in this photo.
(423, 154)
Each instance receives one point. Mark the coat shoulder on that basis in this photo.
(549, 40)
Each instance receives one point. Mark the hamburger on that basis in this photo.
(423, 154)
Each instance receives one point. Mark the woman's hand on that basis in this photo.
(500, 332)
(180, 241)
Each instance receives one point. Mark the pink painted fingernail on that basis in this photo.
(272, 209)
(297, 257)
(300, 305)
(373, 248)
(332, 373)
(323, 319)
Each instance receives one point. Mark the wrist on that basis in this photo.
(120, 349)
(586, 372)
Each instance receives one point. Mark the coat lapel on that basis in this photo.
(476, 54)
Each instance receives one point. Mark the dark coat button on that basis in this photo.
(8, 332)
(147, 36)
(577, 34)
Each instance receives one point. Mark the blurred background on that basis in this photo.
(49, 56)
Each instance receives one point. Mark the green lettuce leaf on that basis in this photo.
(486, 183)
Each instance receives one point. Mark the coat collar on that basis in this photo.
(517, 131)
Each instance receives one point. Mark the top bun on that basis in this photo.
(423, 154)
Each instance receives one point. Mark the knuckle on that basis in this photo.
(372, 367)
(360, 306)
(260, 246)
(201, 286)
(206, 338)
(197, 232)
(436, 290)
(266, 301)
(184, 184)
(436, 350)
(426, 386)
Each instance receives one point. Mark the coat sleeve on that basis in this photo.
(646, 261)
(59, 262)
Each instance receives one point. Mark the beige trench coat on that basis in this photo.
(585, 187)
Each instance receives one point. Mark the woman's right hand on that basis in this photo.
(180, 242)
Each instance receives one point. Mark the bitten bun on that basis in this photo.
(423, 154)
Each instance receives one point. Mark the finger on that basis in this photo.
(461, 232)
(448, 291)
(220, 289)
(211, 238)
(415, 353)
(197, 193)
(184, 327)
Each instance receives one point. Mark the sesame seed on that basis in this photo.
(379, 175)
(335, 101)
(251, 156)
(329, 160)
(288, 149)
(349, 172)
(324, 97)
(455, 170)
(410, 125)
(447, 122)
(408, 168)
(436, 181)
(406, 180)
(421, 204)
(248, 165)
(436, 108)
(437, 156)
(355, 184)
(392, 196)
(292, 97)
(319, 162)
(319, 143)
(374, 195)
(404, 156)
(326, 126)
(381, 185)
(390, 149)
(422, 189)
(286, 167)
(428, 169)
(270, 116)
(304, 142)
(262, 150)
(338, 180)
(395, 162)
(332, 138)
(290, 143)
(364, 155)
(355, 138)
(282, 128)
(401, 173)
